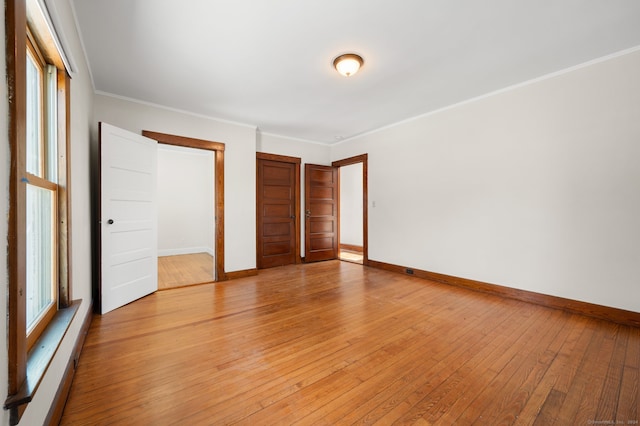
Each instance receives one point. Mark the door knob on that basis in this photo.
(110, 221)
(308, 213)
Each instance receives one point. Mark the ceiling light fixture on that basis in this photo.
(348, 64)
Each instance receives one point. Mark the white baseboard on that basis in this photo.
(186, 250)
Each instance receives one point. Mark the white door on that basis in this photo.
(128, 217)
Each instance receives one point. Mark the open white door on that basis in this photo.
(128, 217)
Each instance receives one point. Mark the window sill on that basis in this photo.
(40, 356)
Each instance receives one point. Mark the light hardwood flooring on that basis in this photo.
(185, 269)
(339, 343)
(350, 256)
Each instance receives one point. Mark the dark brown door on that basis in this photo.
(276, 201)
(321, 212)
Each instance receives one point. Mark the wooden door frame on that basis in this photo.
(363, 158)
(296, 161)
(218, 183)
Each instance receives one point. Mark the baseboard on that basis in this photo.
(60, 399)
(352, 247)
(241, 274)
(616, 315)
(187, 250)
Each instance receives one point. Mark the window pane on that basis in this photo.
(51, 113)
(34, 118)
(40, 251)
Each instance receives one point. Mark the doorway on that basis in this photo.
(186, 216)
(127, 246)
(353, 244)
(195, 268)
(350, 244)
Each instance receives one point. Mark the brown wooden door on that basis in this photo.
(321, 212)
(276, 205)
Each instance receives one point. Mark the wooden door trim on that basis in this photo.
(275, 157)
(184, 141)
(351, 160)
(296, 161)
(218, 183)
(364, 159)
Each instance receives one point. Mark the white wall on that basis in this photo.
(351, 213)
(239, 164)
(536, 188)
(308, 152)
(81, 112)
(185, 200)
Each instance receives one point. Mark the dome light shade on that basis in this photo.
(348, 64)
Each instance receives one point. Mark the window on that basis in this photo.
(39, 311)
(42, 194)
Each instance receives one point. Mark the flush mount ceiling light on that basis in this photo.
(348, 64)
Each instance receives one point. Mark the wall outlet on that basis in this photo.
(409, 271)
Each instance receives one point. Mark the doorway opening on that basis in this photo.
(186, 259)
(186, 193)
(350, 247)
(353, 209)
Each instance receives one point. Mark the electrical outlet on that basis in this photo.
(409, 271)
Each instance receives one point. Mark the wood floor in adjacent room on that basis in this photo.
(184, 269)
(339, 343)
(350, 256)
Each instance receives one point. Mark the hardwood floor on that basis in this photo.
(350, 256)
(339, 343)
(185, 269)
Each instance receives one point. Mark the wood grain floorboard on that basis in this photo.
(338, 343)
(184, 270)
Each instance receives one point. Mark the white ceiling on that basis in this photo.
(268, 63)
